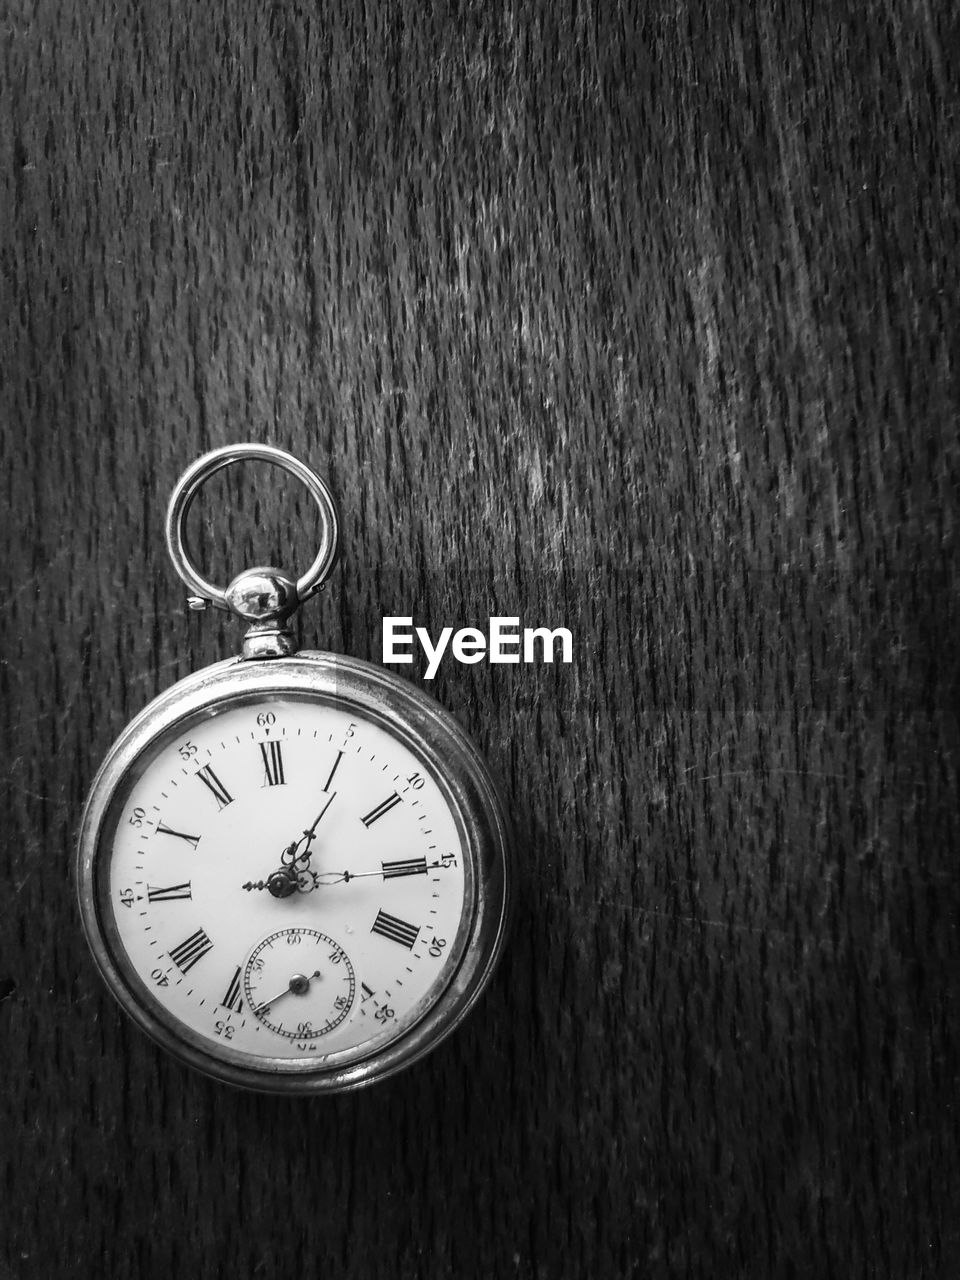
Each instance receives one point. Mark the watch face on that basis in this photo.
(283, 882)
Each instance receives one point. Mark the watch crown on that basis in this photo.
(265, 597)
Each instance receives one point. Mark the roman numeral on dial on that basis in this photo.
(404, 867)
(170, 894)
(272, 764)
(163, 830)
(192, 949)
(231, 999)
(217, 789)
(396, 930)
(383, 807)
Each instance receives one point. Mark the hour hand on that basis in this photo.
(388, 871)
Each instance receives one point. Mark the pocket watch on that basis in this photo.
(293, 867)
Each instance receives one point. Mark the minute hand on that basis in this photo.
(292, 854)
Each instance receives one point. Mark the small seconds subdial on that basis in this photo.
(299, 983)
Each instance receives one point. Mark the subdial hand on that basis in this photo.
(298, 985)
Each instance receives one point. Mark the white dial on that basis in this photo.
(286, 879)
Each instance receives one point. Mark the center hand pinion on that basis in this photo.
(294, 874)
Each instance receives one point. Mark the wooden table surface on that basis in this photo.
(641, 322)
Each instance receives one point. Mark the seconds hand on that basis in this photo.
(297, 986)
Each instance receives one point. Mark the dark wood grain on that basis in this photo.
(640, 321)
